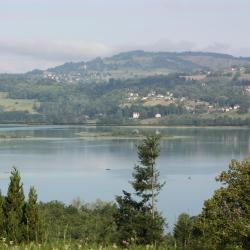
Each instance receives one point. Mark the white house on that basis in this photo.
(225, 109)
(136, 115)
(236, 107)
(160, 96)
(247, 88)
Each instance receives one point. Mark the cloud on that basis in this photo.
(55, 50)
(25, 55)
(178, 46)
(19, 64)
(168, 45)
(227, 49)
(217, 47)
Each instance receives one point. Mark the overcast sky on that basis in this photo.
(44, 33)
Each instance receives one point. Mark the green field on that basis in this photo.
(8, 104)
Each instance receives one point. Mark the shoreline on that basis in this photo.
(118, 125)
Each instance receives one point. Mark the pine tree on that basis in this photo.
(146, 175)
(32, 220)
(2, 217)
(137, 220)
(14, 208)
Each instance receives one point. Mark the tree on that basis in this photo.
(127, 217)
(14, 208)
(32, 220)
(146, 175)
(183, 230)
(2, 217)
(137, 219)
(225, 220)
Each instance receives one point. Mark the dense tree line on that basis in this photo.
(19, 218)
(200, 120)
(103, 101)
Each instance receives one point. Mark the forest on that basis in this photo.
(179, 99)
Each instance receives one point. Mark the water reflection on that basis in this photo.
(63, 166)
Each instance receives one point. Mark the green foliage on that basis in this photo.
(145, 183)
(131, 223)
(32, 220)
(206, 120)
(74, 245)
(19, 220)
(225, 219)
(105, 101)
(135, 223)
(183, 230)
(138, 221)
(14, 208)
(90, 223)
(2, 216)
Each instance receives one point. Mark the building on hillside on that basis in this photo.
(136, 115)
(159, 96)
(158, 115)
(226, 109)
(247, 88)
(236, 107)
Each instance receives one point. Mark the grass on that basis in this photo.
(9, 104)
(61, 245)
(232, 114)
(155, 102)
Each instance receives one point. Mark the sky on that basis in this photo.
(45, 33)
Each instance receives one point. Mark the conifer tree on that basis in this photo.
(138, 220)
(32, 220)
(146, 183)
(2, 217)
(14, 208)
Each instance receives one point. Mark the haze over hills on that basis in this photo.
(140, 63)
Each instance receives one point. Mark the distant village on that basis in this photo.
(153, 99)
(75, 77)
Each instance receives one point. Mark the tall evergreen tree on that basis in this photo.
(32, 220)
(146, 183)
(14, 208)
(2, 217)
(137, 220)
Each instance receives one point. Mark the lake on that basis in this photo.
(63, 165)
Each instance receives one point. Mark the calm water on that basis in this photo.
(63, 166)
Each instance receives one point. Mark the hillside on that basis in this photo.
(140, 64)
(133, 88)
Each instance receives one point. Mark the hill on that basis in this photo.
(189, 88)
(140, 64)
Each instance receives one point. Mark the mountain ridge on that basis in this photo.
(139, 60)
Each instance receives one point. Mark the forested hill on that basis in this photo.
(133, 88)
(141, 63)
